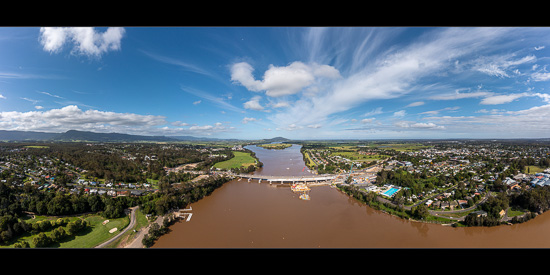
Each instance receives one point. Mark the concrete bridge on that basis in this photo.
(287, 179)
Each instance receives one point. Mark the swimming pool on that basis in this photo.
(390, 192)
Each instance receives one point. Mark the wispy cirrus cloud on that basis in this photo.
(391, 73)
(218, 100)
(177, 62)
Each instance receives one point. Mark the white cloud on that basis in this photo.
(254, 104)
(52, 95)
(435, 112)
(280, 104)
(179, 123)
(540, 76)
(376, 111)
(429, 125)
(393, 72)
(38, 107)
(401, 113)
(417, 125)
(220, 101)
(458, 95)
(498, 65)
(367, 120)
(532, 122)
(248, 119)
(415, 104)
(281, 81)
(196, 102)
(2, 96)
(72, 117)
(85, 40)
(501, 99)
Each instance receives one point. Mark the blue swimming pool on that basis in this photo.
(390, 192)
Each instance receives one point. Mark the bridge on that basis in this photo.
(288, 179)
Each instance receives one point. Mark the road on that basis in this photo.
(131, 225)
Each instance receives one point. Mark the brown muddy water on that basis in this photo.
(243, 214)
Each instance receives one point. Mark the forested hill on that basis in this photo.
(73, 135)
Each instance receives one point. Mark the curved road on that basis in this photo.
(131, 225)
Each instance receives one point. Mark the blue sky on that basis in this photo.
(262, 82)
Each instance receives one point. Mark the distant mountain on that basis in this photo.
(277, 139)
(25, 135)
(191, 138)
(73, 135)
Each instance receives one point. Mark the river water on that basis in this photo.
(243, 214)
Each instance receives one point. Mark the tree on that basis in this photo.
(41, 240)
(421, 211)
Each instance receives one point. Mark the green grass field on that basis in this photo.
(532, 169)
(241, 159)
(95, 234)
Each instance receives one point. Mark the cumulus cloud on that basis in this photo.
(72, 117)
(254, 104)
(84, 40)
(284, 80)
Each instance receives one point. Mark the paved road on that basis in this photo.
(131, 225)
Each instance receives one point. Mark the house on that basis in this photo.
(509, 181)
(479, 213)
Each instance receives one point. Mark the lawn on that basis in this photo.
(95, 234)
(532, 169)
(241, 159)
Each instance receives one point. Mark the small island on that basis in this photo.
(276, 146)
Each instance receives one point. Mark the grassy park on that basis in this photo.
(241, 159)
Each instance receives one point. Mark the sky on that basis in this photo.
(264, 82)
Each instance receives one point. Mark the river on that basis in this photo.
(243, 214)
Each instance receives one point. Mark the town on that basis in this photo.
(460, 182)
(450, 179)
